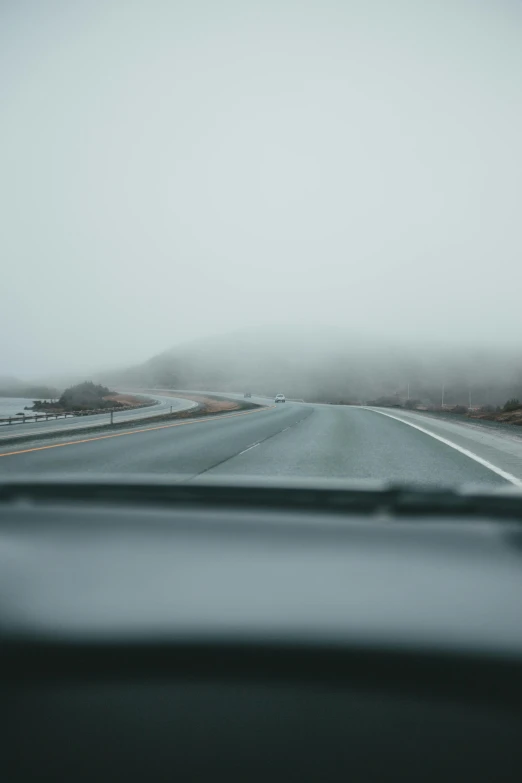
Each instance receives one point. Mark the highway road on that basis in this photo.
(286, 441)
(163, 405)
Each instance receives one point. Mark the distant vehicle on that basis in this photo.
(280, 398)
(248, 394)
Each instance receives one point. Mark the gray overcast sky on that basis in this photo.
(171, 169)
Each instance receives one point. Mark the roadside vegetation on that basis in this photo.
(86, 396)
(509, 413)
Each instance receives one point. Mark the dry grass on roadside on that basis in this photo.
(206, 407)
(503, 417)
(129, 400)
(214, 406)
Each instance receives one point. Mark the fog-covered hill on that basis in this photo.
(330, 366)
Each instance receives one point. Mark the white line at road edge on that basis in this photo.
(508, 476)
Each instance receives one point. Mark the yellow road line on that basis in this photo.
(132, 432)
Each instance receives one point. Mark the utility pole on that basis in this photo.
(442, 401)
(408, 390)
(469, 406)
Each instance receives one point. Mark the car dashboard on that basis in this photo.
(259, 633)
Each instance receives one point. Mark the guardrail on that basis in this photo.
(45, 416)
(21, 419)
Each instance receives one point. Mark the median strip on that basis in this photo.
(203, 406)
(135, 432)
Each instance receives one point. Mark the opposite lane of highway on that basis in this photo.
(291, 440)
(163, 405)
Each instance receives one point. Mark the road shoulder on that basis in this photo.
(496, 449)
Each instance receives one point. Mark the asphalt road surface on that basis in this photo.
(290, 440)
(163, 405)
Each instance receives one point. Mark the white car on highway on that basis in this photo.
(280, 398)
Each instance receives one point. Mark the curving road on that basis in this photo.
(291, 440)
(164, 404)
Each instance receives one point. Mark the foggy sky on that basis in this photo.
(169, 170)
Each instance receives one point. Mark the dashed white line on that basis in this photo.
(248, 449)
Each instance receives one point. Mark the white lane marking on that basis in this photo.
(508, 476)
(248, 449)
